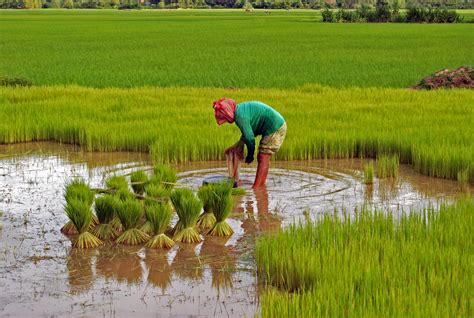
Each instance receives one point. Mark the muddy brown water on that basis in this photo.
(41, 275)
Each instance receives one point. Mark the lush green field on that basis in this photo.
(372, 266)
(431, 130)
(222, 48)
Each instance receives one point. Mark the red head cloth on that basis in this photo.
(224, 110)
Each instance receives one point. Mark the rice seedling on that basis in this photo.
(188, 208)
(371, 265)
(207, 219)
(387, 166)
(78, 189)
(130, 213)
(369, 173)
(157, 191)
(105, 209)
(220, 203)
(139, 181)
(80, 214)
(463, 180)
(116, 183)
(238, 191)
(164, 176)
(159, 216)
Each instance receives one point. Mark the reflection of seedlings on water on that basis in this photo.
(388, 189)
(159, 270)
(80, 274)
(121, 263)
(186, 264)
(368, 194)
(221, 260)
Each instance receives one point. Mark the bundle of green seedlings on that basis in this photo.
(77, 189)
(220, 203)
(118, 186)
(139, 180)
(188, 208)
(159, 216)
(106, 208)
(164, 176)
(387, 166)
(130, 213)
(371, 264)
(80, 214)
(369, 173)
(207, 219)
(155, 193)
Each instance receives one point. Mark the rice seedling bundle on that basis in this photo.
(80, 214)
(159, 216)
(387, 166)
(116, 183)
(130, 213)
(371, 265)
(139, 181)
(164, 176)
(188, 208)
(157, 191)
(105, 209)
(207, 219)
(369, 173)
(220, 203)
(78, 189)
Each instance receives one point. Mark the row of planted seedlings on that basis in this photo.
(140, 211)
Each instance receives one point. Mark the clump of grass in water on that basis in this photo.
(463, 180)
(221, 205)
(159, 216)
(387, 166)
(105, 209)
(188, 208)
(78, 189)
(130, 213)
(80, 214)
(358, 264)
(164, 176)
(139, 181)
(207, 219)
(116, 183)
(369, 173)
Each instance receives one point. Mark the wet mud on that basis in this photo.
(41, 275)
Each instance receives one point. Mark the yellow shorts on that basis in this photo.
(271, 144)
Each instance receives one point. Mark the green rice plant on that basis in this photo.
(207, 219)
(157, 191)
(387, 166)
(220, 203)
(417, 126)
(188, 208)
(105, 209)
(159, 216)
(116, 183)
(463, 180)
(164, 176)
(371, 264)
(80, 214)
(238, 191)
(80, 190)
(139, 181)
(130, 213)
(369, 173)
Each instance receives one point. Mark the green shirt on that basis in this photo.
(255, 119)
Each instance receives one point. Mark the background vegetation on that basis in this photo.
(103, 48)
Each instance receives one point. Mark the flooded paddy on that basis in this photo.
(41, 275)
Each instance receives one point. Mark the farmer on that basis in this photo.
(253, 119)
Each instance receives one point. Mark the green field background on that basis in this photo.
(222, 48)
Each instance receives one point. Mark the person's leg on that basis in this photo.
(263, 160)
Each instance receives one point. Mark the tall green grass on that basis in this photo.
(430, 130)
(103, 48)
(372, 265)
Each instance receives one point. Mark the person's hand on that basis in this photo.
(249, 159)
(235, 150)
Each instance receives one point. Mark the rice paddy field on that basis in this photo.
(367, 209)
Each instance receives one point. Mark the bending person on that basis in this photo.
(253, 119)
